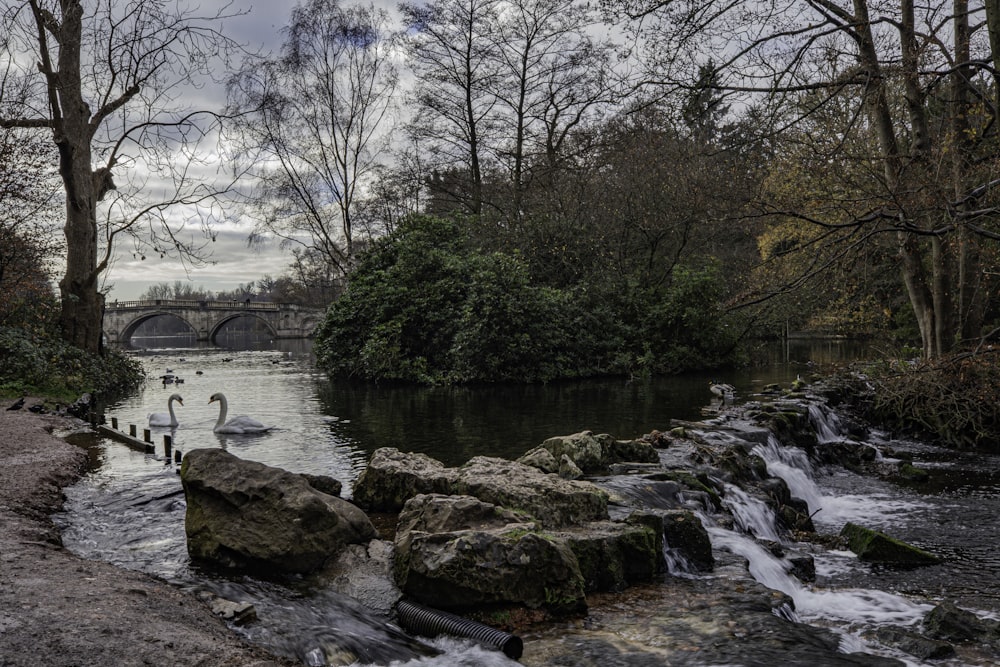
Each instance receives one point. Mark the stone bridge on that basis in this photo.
(206, 318)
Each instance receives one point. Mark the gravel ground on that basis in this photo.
(57, 609)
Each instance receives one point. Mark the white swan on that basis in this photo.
(241, 424)
(166, 418)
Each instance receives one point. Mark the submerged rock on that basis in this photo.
(246, 514)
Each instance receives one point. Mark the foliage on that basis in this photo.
(426, 304)
(954, 400)
(45, 365)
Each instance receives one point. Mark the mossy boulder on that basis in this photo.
(459, 553)
(613, 556)
(244, 514)
(874, 546)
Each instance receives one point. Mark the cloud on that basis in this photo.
(233, 264)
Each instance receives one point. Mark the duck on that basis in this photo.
(721, 389)
(167, 418)
(236, 425)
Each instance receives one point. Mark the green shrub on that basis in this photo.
(425, 304)
(35, 363)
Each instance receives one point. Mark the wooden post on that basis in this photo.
(167, 445)
(146, 436)
(131, 430)
(114, 423)
(178, 456)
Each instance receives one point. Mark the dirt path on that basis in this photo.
(57, 609)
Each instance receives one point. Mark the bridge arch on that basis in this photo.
(222, 322)
(127, 331)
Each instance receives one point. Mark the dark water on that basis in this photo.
(129, 509)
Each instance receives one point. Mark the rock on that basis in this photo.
(871, 545)
(803, 566)
(851, 455)
(684, 533)
(458, 553)
(540, 458)
(953, 624)
(568, 469)
(247, 514)
(553, 501)
(915, 644)
(324, 484)
(613, 556)
(792, 427)
(584, 449)
(910, 472)
(365, 573)
(594, 453)
(237, 613)
(393, 477)
(631, 451)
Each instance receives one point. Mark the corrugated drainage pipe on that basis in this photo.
(422, 620)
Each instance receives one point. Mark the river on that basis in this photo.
(127, 509)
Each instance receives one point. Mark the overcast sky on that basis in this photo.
(234, 262)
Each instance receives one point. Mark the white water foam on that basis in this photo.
(832, 512)
(752, 514)
(852, 605)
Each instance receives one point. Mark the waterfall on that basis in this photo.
(792, 465)
(847, 605)
(826, 423)
(830, 511)
(752, 514)
(677, 564)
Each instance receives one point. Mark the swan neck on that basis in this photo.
(223, 409)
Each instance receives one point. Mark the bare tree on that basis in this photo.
(111, 81)
(321, 124)
(552, 77)
(451, 55)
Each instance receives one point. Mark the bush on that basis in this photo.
(427, 305)
(954, 401)
(47, 366)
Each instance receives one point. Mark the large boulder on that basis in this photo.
(553, 501)
(954, 624)
(460, 553)
(246, 514)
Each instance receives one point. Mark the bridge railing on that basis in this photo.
(193, 303)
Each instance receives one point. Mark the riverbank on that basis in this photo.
(57, 609)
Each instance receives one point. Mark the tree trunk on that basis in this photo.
(82, 304)
(970, 304)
